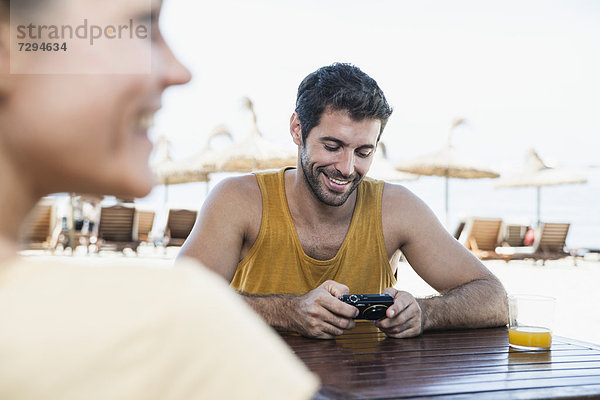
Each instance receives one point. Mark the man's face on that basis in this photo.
(89, 132)
(337, 154)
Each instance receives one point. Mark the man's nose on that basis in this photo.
(345, 164)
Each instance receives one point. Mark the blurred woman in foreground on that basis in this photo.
(71, 122)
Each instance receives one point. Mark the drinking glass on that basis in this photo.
(530, 320)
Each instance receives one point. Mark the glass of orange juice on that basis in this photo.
(530, 320)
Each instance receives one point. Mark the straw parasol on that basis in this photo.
(181, 171)
(449, 163)
(195, 168)
(384, 170)
(253, 153)
(535, 173)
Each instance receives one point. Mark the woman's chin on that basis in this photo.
(140, 188)
(130, 186)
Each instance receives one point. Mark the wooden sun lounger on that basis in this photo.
(38, 227)
(116, 229)
(481, 236)
(179, 225)
(549, 244)
(513, 234)
(144, 221)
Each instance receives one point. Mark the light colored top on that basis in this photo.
(120, 332)
(276, 263)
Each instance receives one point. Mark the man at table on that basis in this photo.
(292, 241)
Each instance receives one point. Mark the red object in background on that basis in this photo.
(529, 237)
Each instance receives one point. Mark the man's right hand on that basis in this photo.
(321, 314)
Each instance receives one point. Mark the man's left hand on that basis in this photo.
(404, 318)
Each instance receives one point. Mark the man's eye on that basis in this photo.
(331, 148)
(364, 155)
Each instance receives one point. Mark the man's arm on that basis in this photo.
(317, 314)
(221, 230)
(226, 229)
(483, 299)
(470, 295)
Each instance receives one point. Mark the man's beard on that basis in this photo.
(323, 193)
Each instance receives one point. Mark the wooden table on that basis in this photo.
(476, 363)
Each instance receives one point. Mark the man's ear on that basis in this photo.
(296, 129)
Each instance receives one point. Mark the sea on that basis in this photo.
(577, 204)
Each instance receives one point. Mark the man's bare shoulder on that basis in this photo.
(237, 191)
(397, 198)
(236, 201)
(229, 216)
(403, 214)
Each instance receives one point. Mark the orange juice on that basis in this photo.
(530, 336)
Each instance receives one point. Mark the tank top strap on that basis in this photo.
(274, 203)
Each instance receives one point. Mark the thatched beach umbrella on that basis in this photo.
(180, 171)
(449, 163)
(195, 168)
(253, 153)
(535, 173)
(384, 170)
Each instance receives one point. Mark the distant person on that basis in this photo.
(70, 331)
(294, 240)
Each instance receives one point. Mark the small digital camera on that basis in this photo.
(370, 306)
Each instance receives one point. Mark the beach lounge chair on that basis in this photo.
(39, 225)
(513, 234)
(144, 220)
(459, 229)
(179, 225)
(116, 228)
(549, 244)
(481, 236)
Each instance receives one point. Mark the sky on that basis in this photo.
(524, 74)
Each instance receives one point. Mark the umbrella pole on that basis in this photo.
(72, 224)
(538, 189)
(446, 201)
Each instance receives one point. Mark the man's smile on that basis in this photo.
(338, 181)
(337, 184)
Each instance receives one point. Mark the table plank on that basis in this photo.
(476, 363)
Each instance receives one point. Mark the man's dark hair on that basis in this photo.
(340, 87)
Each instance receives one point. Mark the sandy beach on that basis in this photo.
(574, 287)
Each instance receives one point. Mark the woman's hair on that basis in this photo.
(21, 6)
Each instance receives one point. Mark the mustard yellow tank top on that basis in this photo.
(276, 263)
